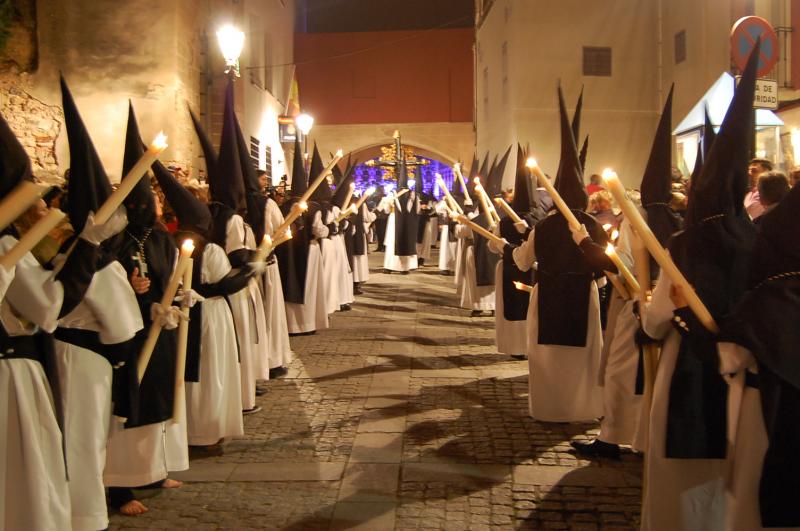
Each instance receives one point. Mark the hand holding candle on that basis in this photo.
(166, 301)
(480, 230)
(264, 249)
(659, 253)
(367, 193)
(296, 211)
(129, 181)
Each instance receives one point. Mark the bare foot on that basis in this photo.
(133, 508)
(171, 484)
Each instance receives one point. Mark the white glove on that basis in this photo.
(521, 226)
(259, 268)
(6, 277)
(189, 298)
(168, 318)
(579, 234)
(98, 233)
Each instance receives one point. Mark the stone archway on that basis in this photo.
(374, 150)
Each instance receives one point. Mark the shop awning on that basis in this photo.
(718, 98)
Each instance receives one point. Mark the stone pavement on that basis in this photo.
(400, 416)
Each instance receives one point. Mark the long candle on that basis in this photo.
(485, 197)
(630, 280)
(480, 230)
(15, 203)
(462, 182)
(523, 287)
(659, 253)
(324, 173)
(166, 302)
(484, 201)
(510, 211)
(367, 193)
(263, 249)
(136, 173)
(346, 213)
(557, 199)
(295, 212)
(349, 196)
(449, 198)
(32, 237)
(179, 409)
(619, 286)
(285, 237)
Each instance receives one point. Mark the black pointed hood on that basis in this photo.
(343, 186)
(494, 183)
(709, 135)
(15, 165)
(576, 119)
(88, 185)
(140, 203)
(723, 182)
(254, 198)
(228, 180)
(526, 198)
(778, 248)
(584, 153)
(483, 172)
(193, 215)
(209, 153)
(657, 180)
(402, 173)
(569, 179)
(323, 192)
(299, 175)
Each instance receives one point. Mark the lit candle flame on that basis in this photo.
(531, 162)
(457, 166)
(289, 233)
(396, 133)
(267, 240)
(477, 181)
(370, 190)
(352, 186)
(607, 226)
(339, 153)
(610, 250)
(303, 205)
(159, 142)
(187, 247)
(608, 173)
(615, 235)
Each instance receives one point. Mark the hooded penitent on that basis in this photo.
(152, 251)
(576, 119)
(656, 187)
(765, 322)
(293, 255)
(322, 194)
(714, 252)
(584, 153)
(228, 181)
(406, 219)
(494, 182)
(526, 205)
(255, 199)
(209, 153)
(88, 186)
(564, 274)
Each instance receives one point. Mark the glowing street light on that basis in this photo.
(231, 42)
(304, 123)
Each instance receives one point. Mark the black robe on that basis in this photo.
(157, 389)
(293, 256)
(515, 301)
(406, 221)
(564, 274)
(485, 260)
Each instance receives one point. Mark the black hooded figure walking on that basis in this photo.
(564, 332)
(401, 230)
(511, 304)
(212, 375)
(155, 444)
(300, 259)
(687, 466)
(762, 357)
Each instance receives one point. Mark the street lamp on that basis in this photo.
(304, 123)
(231, 42)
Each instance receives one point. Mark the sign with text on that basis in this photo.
(766, 96)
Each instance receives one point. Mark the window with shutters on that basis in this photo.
(255, 149)
(596, 61)
(680, 47)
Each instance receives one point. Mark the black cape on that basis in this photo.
(406, 221)
(515, 301)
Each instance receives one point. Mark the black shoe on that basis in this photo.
(261, 390)
(252, 410)
(387, 271)
(476, 313)
(421, 262)
(404, 272)
(299, 334)
(596, 448)
(513, 356)
(345, 308)
(278, 372)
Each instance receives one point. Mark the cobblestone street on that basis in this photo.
(400, 416)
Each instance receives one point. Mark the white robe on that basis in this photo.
(33, 485)
(247, 307)
(279, 349)
(680, 494)
(343, 274)
(145, 454)
(214, 404)
(313, 313)
(330, 269)
(361, 263)
(473, 296)
(447, 249)
(563, 380)
(620, 361)
(109, 307)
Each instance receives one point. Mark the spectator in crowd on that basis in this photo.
(752, 201)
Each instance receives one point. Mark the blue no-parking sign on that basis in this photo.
(743, 38)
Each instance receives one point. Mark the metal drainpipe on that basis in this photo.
(660, 61)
